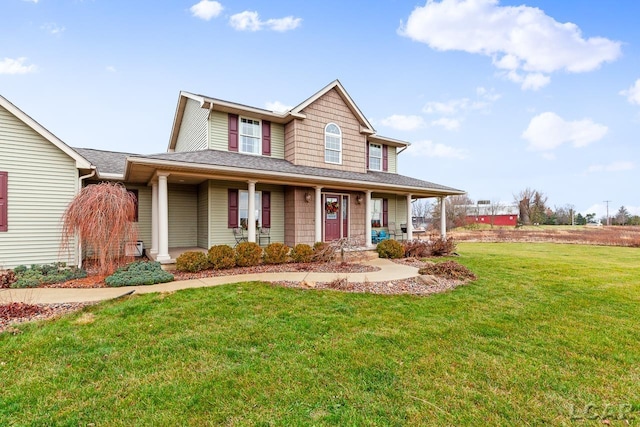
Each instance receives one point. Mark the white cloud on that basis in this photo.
(633, 93)
(111, 69)
(31, 1)
(447, 123)
(206, 9)
(519, 39)
(431, 149)
(250, 21)
(612, 167)
(16, 66)
(488, 94)
(278, 107)
(548, 131)
(406, 123)
(53, 28)
(456, 106)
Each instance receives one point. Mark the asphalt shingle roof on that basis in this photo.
(106, 161)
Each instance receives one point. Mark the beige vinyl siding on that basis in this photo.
(144, 214)
(203, 215)
(193, 130)
(393, 159)
(183, 215)
(220, 234)
(277, 141)
(42, 180)
(397, 207)
(219, 131)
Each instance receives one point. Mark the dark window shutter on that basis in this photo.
(232, 211)
(367, 156)
(385, 158)
(385, 212)
(4, 195)
(266, 209)
(266, 138)
(233, 132)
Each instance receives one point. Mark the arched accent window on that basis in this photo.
(332, 144)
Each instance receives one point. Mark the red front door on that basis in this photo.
(331, 217)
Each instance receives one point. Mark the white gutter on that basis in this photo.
(82, 178)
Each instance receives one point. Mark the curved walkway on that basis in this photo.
(389, 270)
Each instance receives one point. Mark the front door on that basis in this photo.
(331, 217)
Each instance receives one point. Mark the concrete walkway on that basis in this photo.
(389, 270)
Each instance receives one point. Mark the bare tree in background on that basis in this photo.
(457, 207)
(421, 211)
(532, 205)
(494, 209)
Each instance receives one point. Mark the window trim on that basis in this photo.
(371, 156)
(258, 150)
(381, 220)
(333, 150)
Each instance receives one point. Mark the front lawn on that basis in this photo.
(545, 331)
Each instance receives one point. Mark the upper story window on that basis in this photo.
(375, 157)
(250, 137)
(332, 144)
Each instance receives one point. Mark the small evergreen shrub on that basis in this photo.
(390, 249)
(248, 254)
(302, 253)
(7, 278)
(323, 252)
(139, 273)
(192, 261)
(276, 253)
(41, 274)
(222, 257)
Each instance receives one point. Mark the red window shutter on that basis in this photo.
(233, 132)
(367, 156)
(266, 138)
(385, 212)
(4, 195)
(232, 211)
(266, 209)
(385, 158)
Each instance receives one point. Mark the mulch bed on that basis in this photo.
(17, 312)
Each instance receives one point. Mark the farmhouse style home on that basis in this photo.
(318, 172)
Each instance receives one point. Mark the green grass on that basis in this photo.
(546, 330)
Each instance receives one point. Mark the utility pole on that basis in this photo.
(607, 202)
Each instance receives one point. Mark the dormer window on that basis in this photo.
(332, 144)
(375, 157)
(250, 137)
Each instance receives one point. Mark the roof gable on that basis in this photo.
(81, 162)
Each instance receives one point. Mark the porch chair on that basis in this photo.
(382, 235)
(264, 234)
(403, 230)
(374, 236)
(392, 230)
(238, 234)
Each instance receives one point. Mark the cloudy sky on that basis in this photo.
(495, 96)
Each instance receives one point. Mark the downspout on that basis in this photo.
(82, 178)
(405, 147)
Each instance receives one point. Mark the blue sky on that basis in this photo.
(495, 96)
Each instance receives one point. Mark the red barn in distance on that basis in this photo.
(504, 216)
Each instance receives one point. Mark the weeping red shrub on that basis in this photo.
(102, 216)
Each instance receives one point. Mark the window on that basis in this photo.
(4, 192)
(332, 144)
(375, 157)
(376, 212)
(243, 211)
(250, 139)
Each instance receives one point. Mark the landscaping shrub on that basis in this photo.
(192, 261)
(323, 252)
(417, 249)
(390, 249)
(302, 253)
(449, 270)
(40, 274)
(222, 256)
(248, 254)
(276, 253)
(7, 277)
(441, 247)
(139, 273)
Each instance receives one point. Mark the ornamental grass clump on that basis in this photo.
(276, 253)
(139, 273)
(222, 257)
(102, 216)
(192, 261)
(248, 254)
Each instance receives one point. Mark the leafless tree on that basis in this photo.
(494, 209)
(421, 210)
(457, 209)
(532, 205)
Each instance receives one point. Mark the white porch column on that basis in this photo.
(251, 219)
(318, 215)
(409, 218)
(163, 219)
(367, 218)
(154, 218)
(443, 218)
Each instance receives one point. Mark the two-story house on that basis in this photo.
(318, 172)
